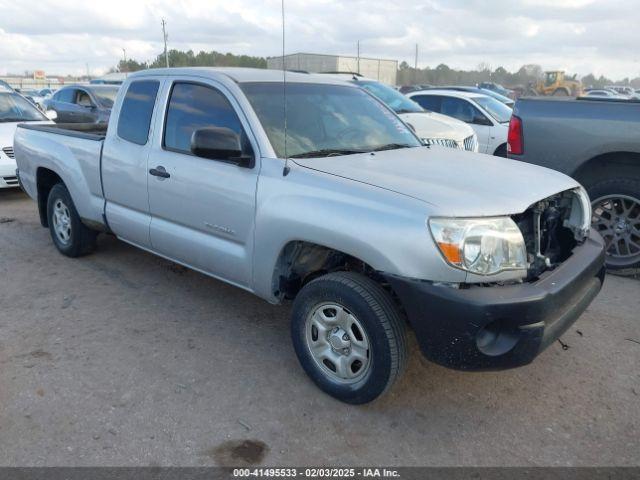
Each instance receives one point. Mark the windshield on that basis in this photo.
(15, 108)
(325, 120)
(105, 95)
(496, 95)
(395, 100)
(498, 110)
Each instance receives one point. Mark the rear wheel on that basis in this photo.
(349, 336)
(616, 216)
(70, 236)
(560, 92)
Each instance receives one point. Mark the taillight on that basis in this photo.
(515, 142)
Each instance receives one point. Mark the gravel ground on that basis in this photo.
(122, 358)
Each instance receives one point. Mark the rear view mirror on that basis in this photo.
(51, 114)
(218, 143)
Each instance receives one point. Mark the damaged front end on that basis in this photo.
(552, 228)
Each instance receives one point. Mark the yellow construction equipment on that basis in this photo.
(557, 84)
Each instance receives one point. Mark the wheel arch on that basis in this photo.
(599, 167)
(45, 180)
(300, 261)
(501, 148)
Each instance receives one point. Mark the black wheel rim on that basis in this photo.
(617, 219)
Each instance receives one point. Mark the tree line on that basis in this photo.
(407, 75)
(179, 58)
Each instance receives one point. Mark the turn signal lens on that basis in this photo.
(451, 252)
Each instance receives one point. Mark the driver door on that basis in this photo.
(202, 210)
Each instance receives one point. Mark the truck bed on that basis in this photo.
(72, 152)
(565, 134)
(89, 131)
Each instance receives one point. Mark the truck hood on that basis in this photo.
(454, 182)
(435, 125)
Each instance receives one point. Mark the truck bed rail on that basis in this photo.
(88, 131)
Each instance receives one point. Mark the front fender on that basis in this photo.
(384, 229)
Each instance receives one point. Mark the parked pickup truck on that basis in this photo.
(597, 142)
(340, 209)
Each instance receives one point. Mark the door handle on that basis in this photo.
(159, 171)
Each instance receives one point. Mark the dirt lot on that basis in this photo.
(122, 358)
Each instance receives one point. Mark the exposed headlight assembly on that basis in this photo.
(483, 246)
(579, 220)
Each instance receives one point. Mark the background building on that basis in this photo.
(383, 70)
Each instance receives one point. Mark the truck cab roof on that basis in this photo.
(242, 75)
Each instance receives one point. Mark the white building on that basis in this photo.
(382, 70)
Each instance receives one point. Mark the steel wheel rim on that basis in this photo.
(62, 222)
(617, 219)
(338, 343)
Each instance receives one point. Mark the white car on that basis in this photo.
(432, 128)
(14, 109)
(488, 117)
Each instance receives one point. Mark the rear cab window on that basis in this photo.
(136, 112)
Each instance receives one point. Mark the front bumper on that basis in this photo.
(499, 327)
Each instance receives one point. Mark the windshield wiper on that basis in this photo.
(326, 152)
(391, 146)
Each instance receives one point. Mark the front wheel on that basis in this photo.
(70, 236)
(349, 336)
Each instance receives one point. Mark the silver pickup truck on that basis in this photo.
(332, 203)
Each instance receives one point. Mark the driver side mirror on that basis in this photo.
(51, 114)
(219, 143)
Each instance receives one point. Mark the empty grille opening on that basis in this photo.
(548, 241)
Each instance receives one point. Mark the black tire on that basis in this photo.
(501, 151)
(81, 240)
(560, 92)
(627, 188)
(383, 326)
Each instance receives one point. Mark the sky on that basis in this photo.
(580, 36)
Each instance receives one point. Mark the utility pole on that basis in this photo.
(358, 47)
(415, 66)
(124, 58)
(165, 36)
